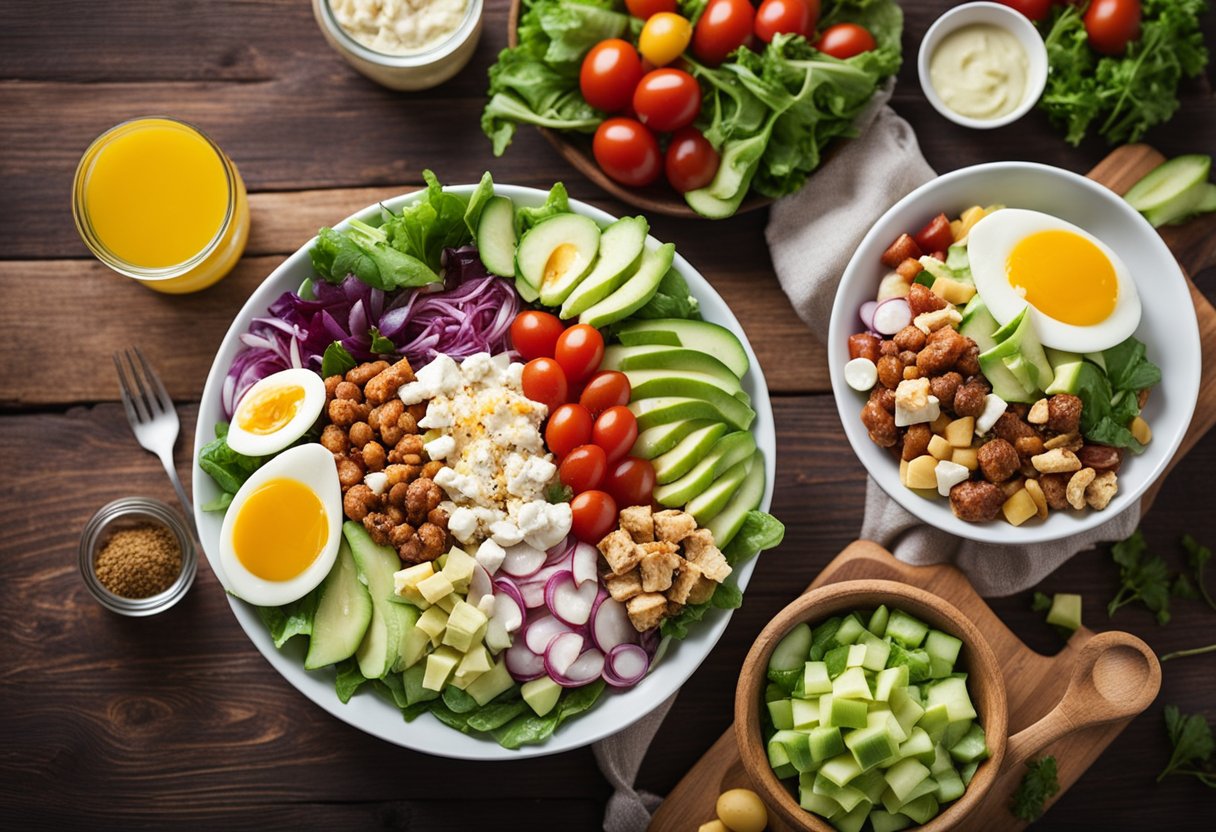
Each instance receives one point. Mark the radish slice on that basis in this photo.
(523, 664)
(586, 669)
(541, 631)
(561, 552)
(892, 315)
(523, 560)
(626, 664)
(542, 576)
(562, 653)
(480, 585)
(568, 601)
(866, 313)
(505, 586)
(509, 611)
(533, 594)
(586, 559)
(610, 625)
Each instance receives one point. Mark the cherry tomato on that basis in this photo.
(844, 40)
(691, 160)
(605, 390)
(725, 25)
(583, 468)
(667, 99)
(777, 17)
(1110, 24)
(615, 430)
(631, 481)
(1031, 9)
(936, 235)
(569, 426)
(594, 515)
(534, 334)
(544, 381)
(580, 349)
(664, 37)
(627, 151)
(609, 74)
(646, 8)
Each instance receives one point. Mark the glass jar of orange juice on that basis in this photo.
(158, 201)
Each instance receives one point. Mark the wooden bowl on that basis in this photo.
(984, 681)
(575, 148)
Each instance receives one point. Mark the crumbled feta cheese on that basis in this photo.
(994, 406)
(377, 481)
(477, 367)
(861, 374)
(929, 411)
(949, 474)
(490, 555)
(439, 448)
(438, 415)
(463, 524)
(528, 476)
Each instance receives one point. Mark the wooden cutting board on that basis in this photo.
(1035, 683)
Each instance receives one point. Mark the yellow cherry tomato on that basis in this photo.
(664, 38)
(742, 810)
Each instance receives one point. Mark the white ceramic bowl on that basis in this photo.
(368, 711)
(418, 71)
(1006, 18)
(1168, 328)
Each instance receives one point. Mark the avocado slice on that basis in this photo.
(621, 247)
(661, 438)
(664, 410)
(645, 338)
(704, 336)
(726, 523)
(732, 410)
(556, 254)
(496, 240)
(676, 462)
(660, 357)
(706, 505)
(1067, 367)
(344, 609)
(633, 294)
(646, 384)
(979, 325)
(730, 450)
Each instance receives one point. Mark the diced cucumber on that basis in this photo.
(884, 821)
(943, 652)
(820, 804)
(777, 755)
(934, 721)
(908, 713)
(972, 747)
(871, 746)
(850, 630)
(857, 655)
(1172, 190)
(790, 652)
(919, 746)
(967, 772)
(877, 652)
(952, 693)
(842, 713)
(949, 786)
(841, 769)
(922, 809)
(825, 638)
(887, 680)
(905, 776)
(847, 796)
(871, 784)
(773, 692)
(804, 713)
(1065, 611)
(955, 731)
(878, 621)
(852, 684)
(881, 718)
(781, 712)
(909, 632)
(917, 662)
(815, 678)
(825, 743)
(941, 761)
(797, 749)
(852, 821)
(837, 659)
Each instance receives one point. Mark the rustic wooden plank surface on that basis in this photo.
(127, 724)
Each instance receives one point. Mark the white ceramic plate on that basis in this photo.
(367, 710)
(1168, 328)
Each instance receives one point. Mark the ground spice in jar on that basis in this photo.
(139, 562)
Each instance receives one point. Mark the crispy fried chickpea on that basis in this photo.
(384, 384)
(916, 441)
(1063, 413)
(396, 514)
(1011, 428)
(331, 386)
(397, 474)
(969, 400)
(431, 469)
(391, 434)
(880, 424)
(921, 299)
(379, 526)
(416, 410)
(344, 412)
(334, 440)
(400, 535)
(434, 540)
(998, 460)
(373, 417)
(350, 472)
(969, 362)
(438, 517)
(885, 398)
(890, 371)
(360, 434)
(396, 494)
(407, 422)
(910, 338)
(942, 350)
(1055, 490)
(374, 457)
(422, 496)
(359, 501)
(411, 550)
(364, 373)
(390, 412)
(864, 345)
(945, 385)
(887, 347)
(976, 501)
(350, 391)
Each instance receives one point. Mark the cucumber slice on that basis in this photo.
(884, 821)
(496, 240)
(660, 439)
(922, 809)
(1207, 202)
(877, 652)
(871, 784)
(972, 747)
(854, 820)
(949, 786)
(878, 621)
(633, 294)
(676, 462)
(790, 652)
(778, 758)
(847, 796)
(943, 652)
(852, 684)
(850, 630)
(815, 678)
(820, 804)
(934, 722)
(804, 713)
(378, 651)
(953, 694)
(905, 776)
(871, 746)
(842, 713)
(887, 680)
(979, 325)
(1172, 190)
(344, 609)
(1065, 611)
(825, 743)
(704, 336)
(797, 749)
(621, 246)
(554, 255)
(781, 712)
(841, 769)
(919, 746)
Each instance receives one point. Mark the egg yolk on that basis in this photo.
(1064, 276)
(280, 531)
(271, 409)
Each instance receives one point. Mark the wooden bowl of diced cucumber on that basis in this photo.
(871, 705)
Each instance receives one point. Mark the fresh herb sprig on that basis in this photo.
(1144, 576)
(1038, 785)
(1191, 737)
(1197, 557)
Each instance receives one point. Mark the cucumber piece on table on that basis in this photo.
(1172, 190)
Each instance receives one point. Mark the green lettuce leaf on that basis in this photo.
(294, 619)
(477, 201)
(424, 229)
(671, 300)
(224, 465)
(557, 202)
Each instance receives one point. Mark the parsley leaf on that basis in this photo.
(1040, 602)
(1145, 578)
(1191, 737)
(1197, 557)
(559, 492)
(1038, 784)
(380, 344)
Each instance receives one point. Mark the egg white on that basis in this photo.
(265, 444)
(313, 466)
(989, 245)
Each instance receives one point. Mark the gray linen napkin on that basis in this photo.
(619, 758)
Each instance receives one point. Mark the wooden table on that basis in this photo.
(122, 723)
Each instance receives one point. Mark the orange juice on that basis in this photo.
(158, 201)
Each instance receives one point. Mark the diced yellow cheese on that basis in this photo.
(1019, 508)
(1141, 431)
(439, 667)
(433, 622)
(435, 587)
(960, 432)
(966, 457)
(939, 448)
(953, 291)
(940, 423)
(921, 472)
(903, 472)
(405, 582)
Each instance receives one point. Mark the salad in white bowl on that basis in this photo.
(486, 453)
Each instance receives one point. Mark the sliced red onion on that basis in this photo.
(610, 625)
(586, 669)
(542, 630)
(650, 640)
(562, 653)
(523, 560)
(866, 313)
(626, 665)
(892, 315)
(523, 664)
(585, 562)
(509, 588)
(568, 601)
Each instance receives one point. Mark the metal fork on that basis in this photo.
(152, 416)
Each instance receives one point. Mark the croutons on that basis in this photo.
(673, 526)
(699, 548)
(658, 563)
(639, 522)
(646, 611)
(620, 551)
(624, 587)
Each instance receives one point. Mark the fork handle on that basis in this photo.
(166, 459)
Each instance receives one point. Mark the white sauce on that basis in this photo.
(980, 71)
(399, 27)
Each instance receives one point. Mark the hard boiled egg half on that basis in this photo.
(1081, 295)
(276, 411)
(281, 533)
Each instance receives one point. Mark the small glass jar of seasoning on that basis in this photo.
(137, 557)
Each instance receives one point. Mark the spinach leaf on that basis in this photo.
(220, 503)
(760, 531)
(449, 717)
(527, 728)
(348, 680)
(458, 701)
(380, 344)
(224, 465)
(671, 300)
(1127, 367)
(336, 361)
(393, 685)
(294, 619)
(558, 202)
(496, 714)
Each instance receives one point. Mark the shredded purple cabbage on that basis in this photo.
(471, 312)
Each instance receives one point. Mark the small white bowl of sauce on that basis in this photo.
(982, 65)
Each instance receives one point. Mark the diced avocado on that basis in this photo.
(473, 665)
(1067, 371)
(1019, 349)
(375, 565)
(730, 450)
(726, 523)
(447, 602)
(1065, 611)
(1172, 190)
(649, 384)
(556, 254)
(659, 357)
(704, 336)
(620, 254)
(541, 694)
(490, 684)
(633, 294)
(661, 438)
(344, 610)
(676, 462)
(412, 680)
(979, 325)
(706, 505)
(433, 622)
(496, 239)
(464, 622)
(439, 667)
(405, 582)
(459, 569)
(790, 652)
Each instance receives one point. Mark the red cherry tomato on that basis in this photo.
(631, 481)
(594, 515)
(691, 160)
(569, 426)
(936, 235)
(580, 349)
(627, 151)
(725, 25)
(1111, 24)
(609, 74)
(605, 390)
(615, 431)
(583, 468)
(844, 40)
(1032, 9)
(544, 381)
(645, 8)
(777, 17)
(667, 99)
(534, 334)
